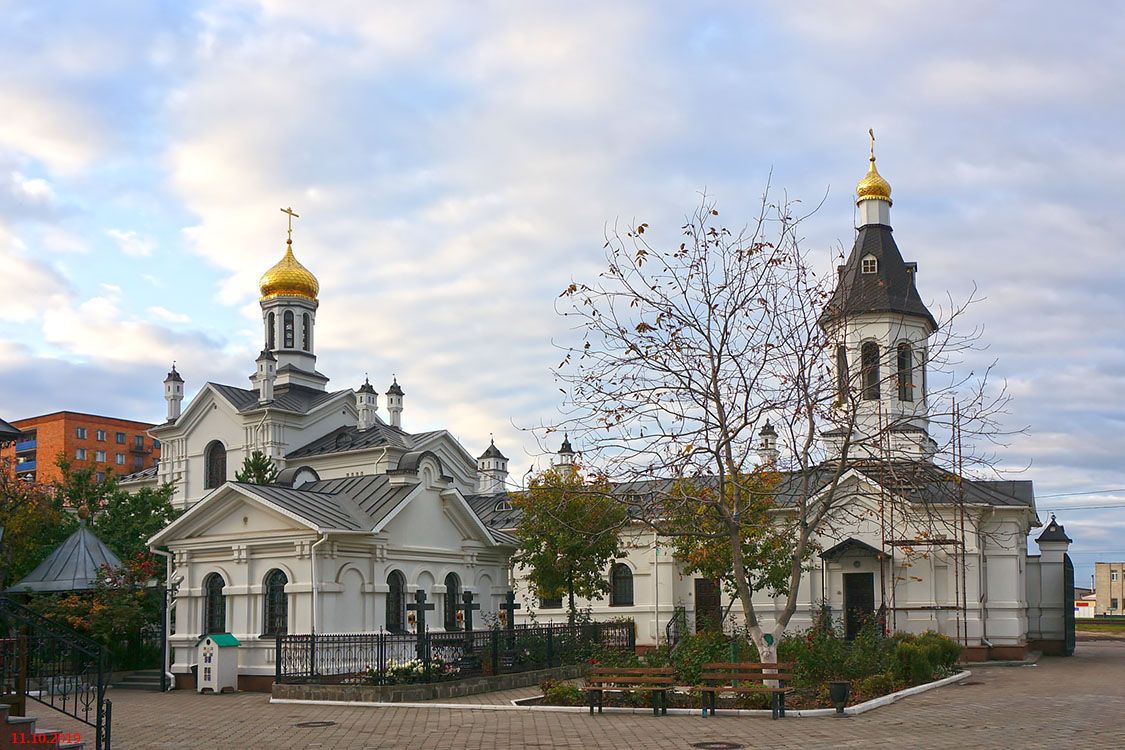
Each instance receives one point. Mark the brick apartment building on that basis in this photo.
(1109, 583)
(104, 444)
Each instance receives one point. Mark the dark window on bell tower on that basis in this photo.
(271, 328)
(306, 325)
(869, 355)
(905, 373)
(841, 372)
(288, 333)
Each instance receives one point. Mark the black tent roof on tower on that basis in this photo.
(493, 452)
(890, 288)
(8, 433)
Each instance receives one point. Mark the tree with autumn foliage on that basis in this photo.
(34, 523)
(685, 347)
(570, 531)
(695, 521)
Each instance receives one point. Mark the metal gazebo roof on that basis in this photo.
(73, 566)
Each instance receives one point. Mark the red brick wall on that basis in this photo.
(58, 432)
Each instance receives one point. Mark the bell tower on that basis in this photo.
(879, 327)
(289, 302)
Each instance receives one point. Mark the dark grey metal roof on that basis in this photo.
(395, 389)
(8, 433)
(373, 494)
(267, 356)
(921, 483)
(1053, 533)
(351, 438)
(366, 387)
(325, 510)
(849, 545)
(173, 376)
(891, 289)
(493, 452)
(565, 448)
(73, 566)
(140, 476)
(298, 399)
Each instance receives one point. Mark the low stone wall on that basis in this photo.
(424, 691)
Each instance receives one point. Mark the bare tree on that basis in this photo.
(687, 352)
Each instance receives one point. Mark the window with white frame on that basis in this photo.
(80, 454)
(119, 459)
(80, 433)
(99, 455)
(100, 434)
(870, 264)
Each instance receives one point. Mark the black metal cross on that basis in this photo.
(420, 608)
(467, 606)
(510, 608)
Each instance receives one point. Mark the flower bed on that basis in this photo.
(874, 665)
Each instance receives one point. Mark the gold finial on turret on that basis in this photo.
(873, 186)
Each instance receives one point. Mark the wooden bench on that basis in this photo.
(655, 680)
(745, 677)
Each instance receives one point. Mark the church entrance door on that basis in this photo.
(708, 606)
(859, 601)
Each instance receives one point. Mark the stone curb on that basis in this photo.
(885, 700)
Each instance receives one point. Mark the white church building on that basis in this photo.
(363, 513)
(973, 580)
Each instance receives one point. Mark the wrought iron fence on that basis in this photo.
(55, 666)
(392, 658)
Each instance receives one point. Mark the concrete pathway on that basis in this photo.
(1060, 703)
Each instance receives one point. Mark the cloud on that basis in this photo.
(131, 243)
(26, 284)
(54, 130)
(169, 316)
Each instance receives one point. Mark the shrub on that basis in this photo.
(692, 652)
(926, 657)
(563, 694)
(876, 685)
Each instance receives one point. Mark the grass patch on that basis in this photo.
(1099, 626)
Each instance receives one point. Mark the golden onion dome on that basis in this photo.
(873, 186)
(289, 279)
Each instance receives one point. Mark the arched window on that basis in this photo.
(869, 355)
(870, 264)
(271, 331)
(276, 618)
(905, 372)
(452, 599)
(214, 465)
(306, 331)
(396, 602)
(214, 605)
(923, 356)
(841, 372)
(288, 332)
(620, 586)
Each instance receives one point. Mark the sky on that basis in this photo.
(455, 166)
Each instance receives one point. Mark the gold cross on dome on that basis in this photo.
(292, 216)
(871, 133)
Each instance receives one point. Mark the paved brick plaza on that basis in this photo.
(1077, 702)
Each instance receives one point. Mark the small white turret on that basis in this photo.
(265, 376)
(566, 455)
(173, 393)
(767, 445)
(492, 471)
(367, 404)
(394, 403)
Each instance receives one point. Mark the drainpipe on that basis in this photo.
(167, 614)
(656, 581)
(312, 562)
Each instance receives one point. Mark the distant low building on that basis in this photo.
(1109, 583)
(1084, 606)
(89, 441)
